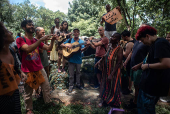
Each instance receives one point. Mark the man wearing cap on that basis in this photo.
(74, 61)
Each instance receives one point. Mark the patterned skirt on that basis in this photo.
(10, 104)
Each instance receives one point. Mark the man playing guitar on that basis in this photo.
(74, 61)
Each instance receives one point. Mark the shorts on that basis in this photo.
(136, 76)
(96, 68)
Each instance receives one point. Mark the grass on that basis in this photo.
(41, 108)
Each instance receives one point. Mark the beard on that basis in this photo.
(30, 30)
(57, 22)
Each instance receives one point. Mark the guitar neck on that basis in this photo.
(78, 45)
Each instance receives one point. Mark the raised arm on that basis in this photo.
(49, 47)
(30, 48)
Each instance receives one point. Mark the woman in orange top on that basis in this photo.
(9, 78)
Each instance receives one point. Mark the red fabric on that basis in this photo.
(100, 50)
(142, 31)
(30, 61)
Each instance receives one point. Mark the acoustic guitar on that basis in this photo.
(62, 38)
(68, 52)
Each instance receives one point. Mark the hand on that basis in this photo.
(144, 66)
(55, 37)
(136, 67)
(70, 33)
(110, 77)
(88, 42)
(91, 38)
(68, 46)
(118, 9)
(40, 50)
(97, 64)
(23, 77)
(61, 34)
(125, 64)
(46, 37)
(103, 19)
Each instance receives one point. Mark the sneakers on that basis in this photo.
(59, 70)
(165, 99)
(80, 87)
(70, 89)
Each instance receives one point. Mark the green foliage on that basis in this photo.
(5, 11)
(85, 30)
(85, 16)
(41, 108)
(13, 14)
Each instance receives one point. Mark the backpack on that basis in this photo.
(16, 64)
(20, 51)
(69, 40)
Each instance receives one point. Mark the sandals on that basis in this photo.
(100, 105)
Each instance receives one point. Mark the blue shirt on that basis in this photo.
(76, 58)
(18, 37)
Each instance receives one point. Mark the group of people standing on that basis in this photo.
(146, 59)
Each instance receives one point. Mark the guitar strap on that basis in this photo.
(69, 40)
(103, 46)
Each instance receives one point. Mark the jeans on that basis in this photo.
(146, 103)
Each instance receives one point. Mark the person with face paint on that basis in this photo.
(110, 64)
(31, 63)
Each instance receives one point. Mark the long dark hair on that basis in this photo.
(61, 27)
(2, 35)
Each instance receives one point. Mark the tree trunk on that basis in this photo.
(124, 15)
(134, 14)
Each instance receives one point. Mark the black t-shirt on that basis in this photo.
(151, 80)
(139, 53)
(109, 27)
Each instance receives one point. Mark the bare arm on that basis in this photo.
(30, 48)
(52, 30)
(136, 67)
(102, 20)
(49, 47)
(163, 64)
(127, 59)
(85, 48)
(129, 47)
